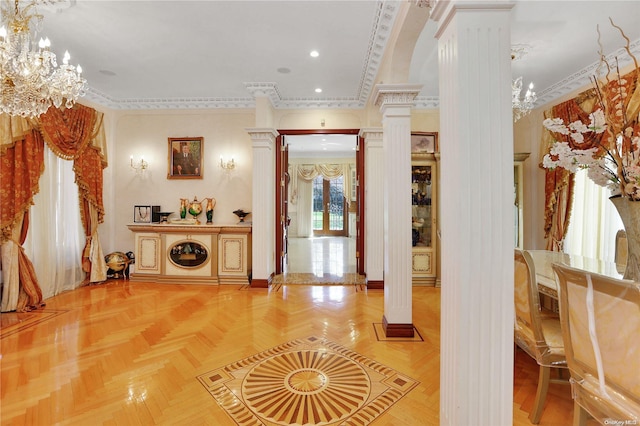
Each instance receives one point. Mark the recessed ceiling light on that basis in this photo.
(318, 90)
(314, 54)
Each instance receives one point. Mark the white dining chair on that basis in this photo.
(538, 334)
(600, 319)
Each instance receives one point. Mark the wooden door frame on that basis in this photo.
(360, 176)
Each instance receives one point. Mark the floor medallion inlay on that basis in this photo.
(306, 382)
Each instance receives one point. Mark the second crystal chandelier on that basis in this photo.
(522, 107)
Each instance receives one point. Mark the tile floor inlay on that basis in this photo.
(308, 381)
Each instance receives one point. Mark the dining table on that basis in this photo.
(544, 259)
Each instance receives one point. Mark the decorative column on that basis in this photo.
(374, 207)
(477, 224)
(395, 101)
(263, 206)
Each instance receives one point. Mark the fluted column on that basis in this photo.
(374, 207)
(263, 206)
(395, 101)
(476, 134)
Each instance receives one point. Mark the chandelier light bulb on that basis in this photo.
(65, 59)
(3, 32)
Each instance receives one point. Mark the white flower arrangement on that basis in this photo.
(614, 162)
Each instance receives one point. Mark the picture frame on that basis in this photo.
(424, 142)
(185, 160)
(142, 214)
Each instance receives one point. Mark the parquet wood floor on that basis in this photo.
(124, 353)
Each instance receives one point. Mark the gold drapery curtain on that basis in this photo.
(559, 182)
(21, 165)
(309, 172)
(75, 134)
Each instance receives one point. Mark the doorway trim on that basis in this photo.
(282, 169)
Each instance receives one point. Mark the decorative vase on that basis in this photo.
(183, 208)
(630, 214)
(211, 203)
(195, 208)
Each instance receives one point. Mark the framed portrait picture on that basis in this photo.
(142, 214)
(424, 142)
(185, 158)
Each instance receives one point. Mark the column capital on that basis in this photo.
(371, 133)
(386, 95)
(262, 134)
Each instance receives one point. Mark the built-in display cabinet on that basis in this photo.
(192, 254)
(424, 221)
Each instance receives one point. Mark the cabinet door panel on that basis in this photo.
(148, 248)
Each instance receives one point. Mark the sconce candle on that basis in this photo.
(228, 165)
(140, 166)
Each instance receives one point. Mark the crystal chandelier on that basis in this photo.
(522, 107)
(30, 79)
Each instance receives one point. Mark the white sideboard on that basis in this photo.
(192, 254)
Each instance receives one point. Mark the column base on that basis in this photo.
(375, 284)
(397, 330)
(261, 283)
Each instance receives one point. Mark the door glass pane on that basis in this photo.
(318, 203)
(336, 204)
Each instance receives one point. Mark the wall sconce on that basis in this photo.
(140, 166)
(227, 165)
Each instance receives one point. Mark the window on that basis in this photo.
(594, 221)
(55, 239)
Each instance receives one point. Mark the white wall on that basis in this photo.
(146, 133)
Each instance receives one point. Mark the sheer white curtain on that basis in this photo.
(56, 238)
(594, 221)
(305, 208)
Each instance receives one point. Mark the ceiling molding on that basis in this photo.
(381, 29)
(576, 81)
(582, 78)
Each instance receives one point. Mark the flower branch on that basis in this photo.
(612, 153)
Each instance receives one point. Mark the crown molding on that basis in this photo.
(573, 82)
(381, 28)
(582, 78)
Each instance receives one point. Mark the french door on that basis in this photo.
(329, 207)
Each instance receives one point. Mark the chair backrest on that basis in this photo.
(621, 249)
(528, 324)
(600, 319)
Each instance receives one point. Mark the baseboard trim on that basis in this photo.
(375, 284)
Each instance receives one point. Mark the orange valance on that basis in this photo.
(70, 133)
